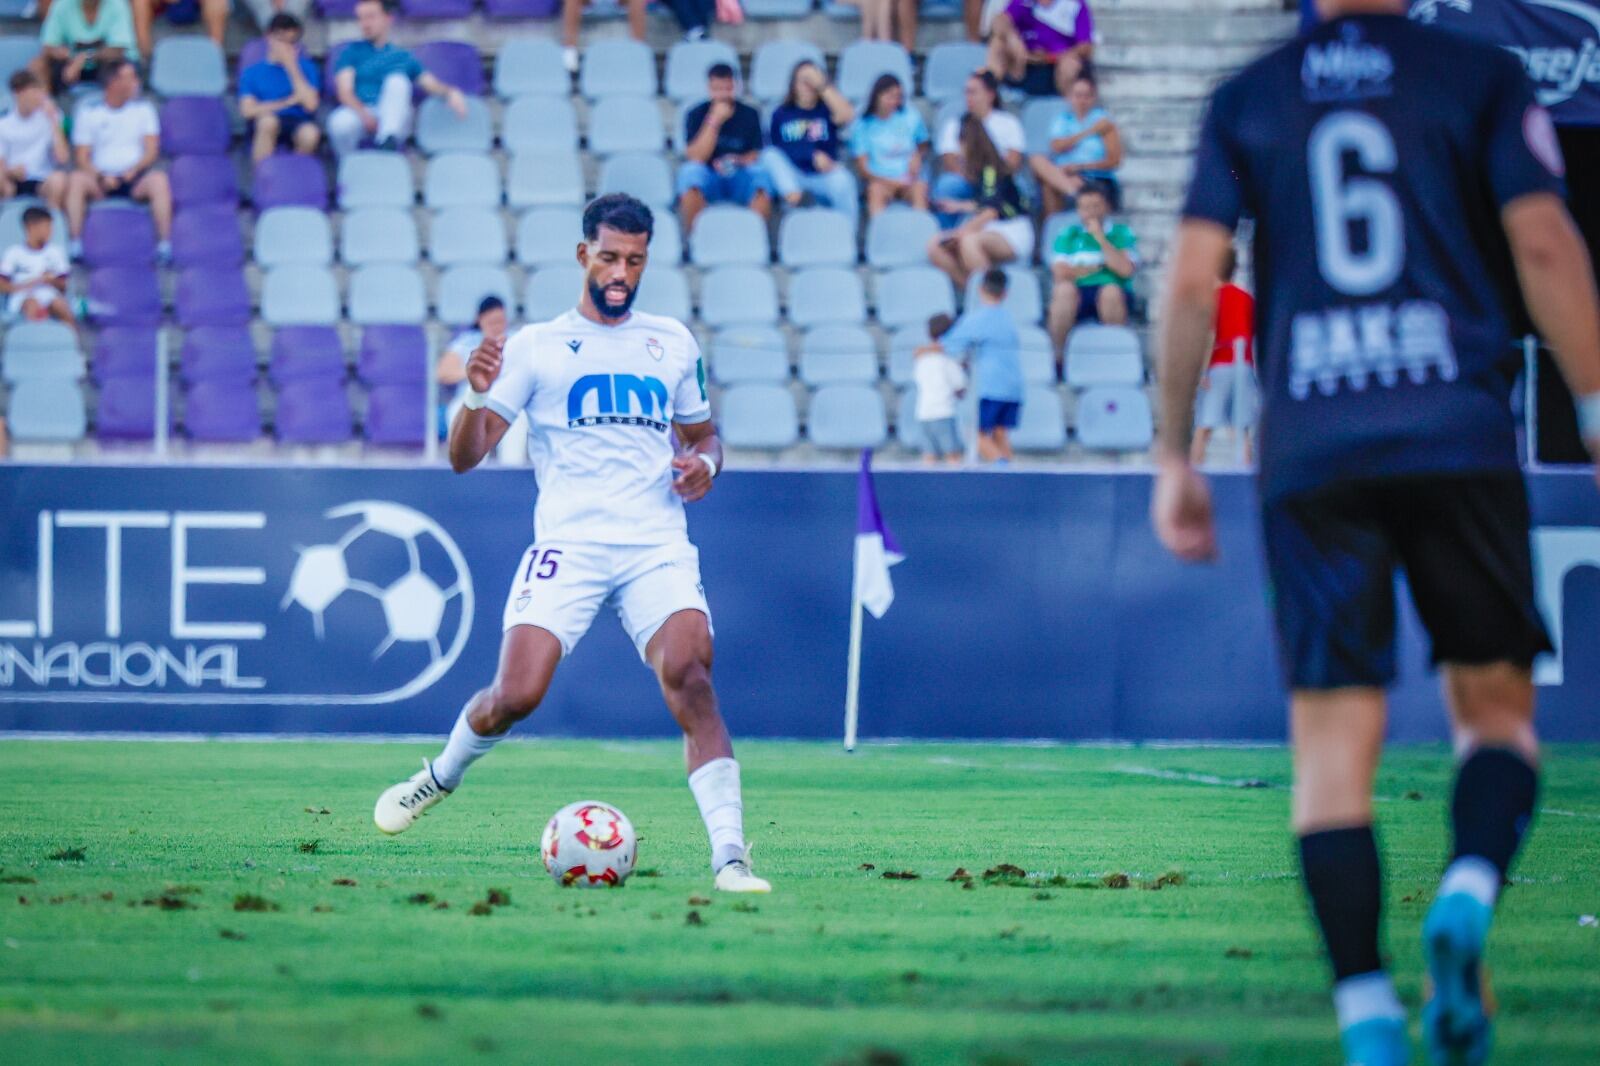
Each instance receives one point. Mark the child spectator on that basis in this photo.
(1085, 146)
(33, 148)
(890, 142)
(79, 36)
(280, 94)
(34, 273)
(940, 383)
(1229, 397)
(805, 149)
(722, 157)
(990, 334)
(1091, 266)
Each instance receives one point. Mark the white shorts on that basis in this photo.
(45, 294)
(1230, 398)
(1018, 233)
(561, 586)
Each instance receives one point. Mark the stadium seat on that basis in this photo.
(467, 235)
(461, 179)
(217, 353)
(816, 236)
(725, 235)
(551, 291)
(41, 352)
(16, 52)
(1038, 357)
(124, 296)
(293, 235)
(127, 409)
(1038, 115)
(375, 179)
(617, 67)
(638, 174)
(207, 236)
(306, 353)
(194, 125)
(773, 64)
(46, 336)
(287, 180)
(454, 63)
(530, 66)
(440, 129)
(309, 412)
(541, 123)
(758, 416)
(1023, 298)
(118, 236)
(826, 296)
(190, 65)
(1053, 225)
(521, 9)
(680, 124)
(422, 10)
(907, 430)
(330, 65)
(462, 289)
(911, 295)
(1115, 418)
(387, 293)
(549, 235)
(899, 236)
(846, 416)
(394, 355)
(746, 354)
(666, 242)
(948, 66)
(738, 295)
(200, 180)
(1041, 427)
(777, 9)
(625, 124)
(687, 63)
(299, 295)
(1103, 355)
(214, 296)
(861, 62)
(378, 235)
(222, 412)
(48, 411)
(546, 179)
(665, 291)
(124, 351)
(398, 415)
(903, 344)
(838, 355)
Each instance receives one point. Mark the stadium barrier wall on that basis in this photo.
(1031, 605)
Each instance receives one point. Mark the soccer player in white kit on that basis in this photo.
(620, 438)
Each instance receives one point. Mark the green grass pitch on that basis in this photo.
(125, 866)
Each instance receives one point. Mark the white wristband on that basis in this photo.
(710, 462)
(474, 400)
(1589, 416)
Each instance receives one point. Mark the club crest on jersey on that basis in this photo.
(617, 400)
(524, 599)
(653, 346)
(574, 344)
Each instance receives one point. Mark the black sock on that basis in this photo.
(1493, 803)
(1340, 869)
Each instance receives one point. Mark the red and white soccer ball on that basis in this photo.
(589, 844)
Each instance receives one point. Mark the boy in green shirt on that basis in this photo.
(1091, 265)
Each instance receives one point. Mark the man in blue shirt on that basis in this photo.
(279, 95)
(990, 334)
(373, 82)
(1385, 188)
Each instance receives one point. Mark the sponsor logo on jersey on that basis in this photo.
(653, 346)
(617, 400)
(1347, 69)
(1559, 69)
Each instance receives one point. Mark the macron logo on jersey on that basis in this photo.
(618, 400)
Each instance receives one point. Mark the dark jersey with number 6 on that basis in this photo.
(1374, 155)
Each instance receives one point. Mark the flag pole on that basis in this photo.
(852, 685)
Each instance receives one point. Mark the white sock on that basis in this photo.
(1365, 997)
(1475, 876)
(462, 750)
(716, 789)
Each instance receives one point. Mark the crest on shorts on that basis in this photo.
(653, 346)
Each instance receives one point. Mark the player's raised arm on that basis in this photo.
(699, 462)
(478, 427)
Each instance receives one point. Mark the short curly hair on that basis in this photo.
(623, 213)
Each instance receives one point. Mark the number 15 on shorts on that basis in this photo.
(542, 565)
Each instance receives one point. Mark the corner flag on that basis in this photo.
(872, 588)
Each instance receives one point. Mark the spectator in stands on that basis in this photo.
(722, 157)
(1005, 133)
(1229, 397)
(33, 148)
(990, 334)
(996, 226)
(263, 10)
(695, 16)
(940, 383)
(1084, 146)
(279, 95)
(79, 37)
(889, 142)
(214, 13)
(373, 81)
(804, 157)
(877, 19)
(572, 20)
(1091, 264)
(33, 274)
(118, 142)
(1041, 46)
(451, 370)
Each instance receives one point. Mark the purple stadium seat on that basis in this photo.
(204, 179)
(329, 64)
(397, 414)
(306, 353)
(288, 180)
(314, 412)
(124, 352)
(212, 296)
(124, 296)
(194, 125)
(119, 237)
(521, 9)
(436, 9)
(127, 409)
(337, 9)
(393, 355)
(454, 63)
(207, 236)
(218, 354)
(222, 411)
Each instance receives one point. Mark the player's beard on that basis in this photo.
(597, 296)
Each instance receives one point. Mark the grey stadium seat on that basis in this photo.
(440, 130)
(664, 290)
(725, 234)
(777, 9)
(462, 288)
(291, 235)
(817, 236)
(625, 124)
(1041, 427)
(838, 355)
(617, 67)
(1103, 355)
(46, 336)
(1115, 418)
(911, 295)
(899, 236)
(666, 242)
(549, 235)
(1038, 115)
(530, 66)
(687, 63)
(375, 179)
(948, 67)
(745, 354)
(738, 295)
(544, 179)
(1023, 299)
(543, 123)
(190, 65)
(1052, 226)
(387, 294)
(774, 62)
(47, 410)
(846, 416)
(378, 235)
(551, 291)
(16, 52)
(461, 179)
(862, 61)
(759, 417)
(640, 174)
(467, 235)
(826, 296)
(902, 348)
(1038, 358)
(300, 295)
(47, 349)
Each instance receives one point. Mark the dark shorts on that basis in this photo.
(1463, 543)
(287, 125)
(1038, 79)
(1089, 303)
(998, 413)
(29, 187)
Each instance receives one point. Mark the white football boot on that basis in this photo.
(737, 877)
(402, 804)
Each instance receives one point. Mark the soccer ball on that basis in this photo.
(589, 844)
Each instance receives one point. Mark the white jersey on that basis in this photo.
(600, 404)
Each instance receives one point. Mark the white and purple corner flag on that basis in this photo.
(876, 548)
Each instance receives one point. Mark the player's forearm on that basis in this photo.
(1558, 284)
(1185, 326)
(470, 438)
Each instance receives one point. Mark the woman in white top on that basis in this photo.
(1005, 133)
